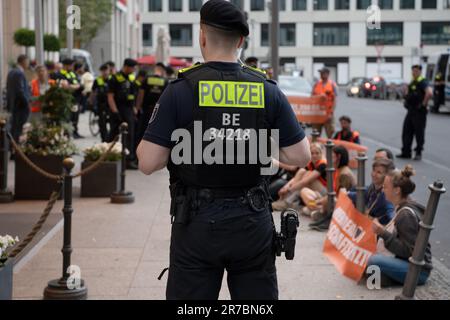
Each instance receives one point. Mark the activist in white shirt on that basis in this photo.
(397, 239)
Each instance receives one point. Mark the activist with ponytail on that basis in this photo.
(396, 240)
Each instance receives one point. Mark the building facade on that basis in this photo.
(121, 37)
(317, 33)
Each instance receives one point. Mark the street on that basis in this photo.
(380, 125)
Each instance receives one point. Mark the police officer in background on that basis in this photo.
(121, 101)
(68, 79)
(439, 92)
(416, 102)
(99, 99)
(221, 212)
(149, 93)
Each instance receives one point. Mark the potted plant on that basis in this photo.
(46, 146)
(6, 267)
(105, 179)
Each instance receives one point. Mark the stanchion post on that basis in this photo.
(315, 135)
(330, 176)
(360, 187)
(70, 286)
(122, 196)
(417, 261)
(5, 194)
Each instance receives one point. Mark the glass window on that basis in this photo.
(436, 33)
(385, 4)
(287, 34)
(154, 5)
(257, 5)
(238, 3)
(298, 5)
(175, 5)
(320, 4)
(429, 4)
(264, 35)
(342, 4)
(195, 5)
(147, 37)
(181, 35)
(331, 34)
(282, 4)
(391, 33)
(363, 4)
(407, 4)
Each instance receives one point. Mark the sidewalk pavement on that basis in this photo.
(121, 250)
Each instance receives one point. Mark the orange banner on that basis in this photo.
(350, 241)
(352, 148)
(312, 110)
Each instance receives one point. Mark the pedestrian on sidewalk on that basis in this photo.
(416, 102)
(327, 88)
(221, 212)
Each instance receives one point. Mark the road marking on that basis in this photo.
(430, 162)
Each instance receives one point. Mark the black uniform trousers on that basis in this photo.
(103, 119)
(144, 119)
(225, 234)
(19, 116)
(125, 114)
(414, 126)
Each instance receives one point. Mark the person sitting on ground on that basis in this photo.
(281, 178)
(384, 153)
(313, 177)
(397, 239)
(376, 204)
(343, 178)
(346, 133)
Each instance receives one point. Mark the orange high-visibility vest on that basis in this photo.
(326, 89)
(313, 166)
(353, 137)
(35, 92)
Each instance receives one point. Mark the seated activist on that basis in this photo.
(397, 239)
(384, 153)
(343, 178)
(346, 133)
(312, 176)
(376, 204)
(281, 178)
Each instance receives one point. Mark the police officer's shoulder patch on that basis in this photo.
(155, 112)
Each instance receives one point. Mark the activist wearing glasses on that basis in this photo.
(397, 239)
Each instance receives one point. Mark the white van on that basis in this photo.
(440, 62)
(79, 55)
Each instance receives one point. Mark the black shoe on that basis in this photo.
(132, 165)
(76, 135)
(403, 156)
(417, 157)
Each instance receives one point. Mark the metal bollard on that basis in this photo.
(360, 187)
(426, 225)
(122, 196)
(70, 286)
(315, 135)
(330, 176)
(5, 194)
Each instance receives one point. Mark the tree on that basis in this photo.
(24, 37)
(94, 15)
(51, 43)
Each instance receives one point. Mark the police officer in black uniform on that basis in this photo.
(67, 78)
(221, 212)
(99, 99)
(149, 93)
(416, 102)
(439, 92)
(121, 101)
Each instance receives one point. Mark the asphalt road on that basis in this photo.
(380, 124)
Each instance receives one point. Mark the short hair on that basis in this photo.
(222, 38)
(388, 165)
(417, 66)
(170, 71)
(251, 60)
(343, 153)
(104, 67)
(345, 118)
(22, 58)
(161, 65)
(389, 153)
(110, 64)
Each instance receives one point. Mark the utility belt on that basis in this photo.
(186, 200)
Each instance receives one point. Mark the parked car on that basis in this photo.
(294, 86)
(378, 88)
(396, 88)
(354, 86)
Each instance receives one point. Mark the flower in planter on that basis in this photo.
(6, 242)
(95, 152)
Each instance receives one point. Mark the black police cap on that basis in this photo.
(68, 61)
(130, 62)
(224, 15)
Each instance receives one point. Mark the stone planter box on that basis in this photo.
(6, 280)
(102, 181)
(30, 185)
